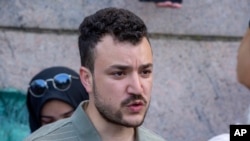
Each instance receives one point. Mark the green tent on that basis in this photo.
(14, 124)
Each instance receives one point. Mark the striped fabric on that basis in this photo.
(79, 128)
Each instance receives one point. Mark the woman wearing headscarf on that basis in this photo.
(53, 94)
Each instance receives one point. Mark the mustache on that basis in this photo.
(133, 98)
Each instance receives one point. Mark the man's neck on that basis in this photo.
(107, 130)
(117, 134)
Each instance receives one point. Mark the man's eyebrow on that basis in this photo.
(149, 65)
(126, 67)
(120, 67)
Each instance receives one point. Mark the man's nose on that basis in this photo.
(135, 84)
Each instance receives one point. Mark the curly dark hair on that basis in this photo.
(121, 24)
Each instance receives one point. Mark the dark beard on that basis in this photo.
(116, 117)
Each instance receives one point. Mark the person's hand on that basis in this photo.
(170, 4)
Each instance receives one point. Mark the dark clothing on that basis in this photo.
(73, 96)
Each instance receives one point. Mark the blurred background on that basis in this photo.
(195, 95)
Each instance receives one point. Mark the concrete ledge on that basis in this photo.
(206, 17)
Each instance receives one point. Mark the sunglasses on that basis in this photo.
(61, 82)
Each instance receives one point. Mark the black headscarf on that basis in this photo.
(73, 96)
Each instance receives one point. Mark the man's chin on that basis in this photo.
(133, 122)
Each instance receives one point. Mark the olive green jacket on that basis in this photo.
(79, 128)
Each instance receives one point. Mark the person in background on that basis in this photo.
(166, 3)
(243, 60)
(243, 74)
(117, 72)
(53, 94)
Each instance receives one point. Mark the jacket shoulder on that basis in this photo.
(148, 135)
(46, 131)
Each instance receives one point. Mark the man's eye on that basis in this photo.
(118, 73)
(146, 73)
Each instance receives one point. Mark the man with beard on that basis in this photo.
(116, 70)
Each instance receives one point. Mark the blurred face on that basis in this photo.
(243, 63)
(54, 110)
(122, 81)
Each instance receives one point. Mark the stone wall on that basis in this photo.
(195, 94)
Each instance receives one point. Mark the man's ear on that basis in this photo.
(86, 79)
